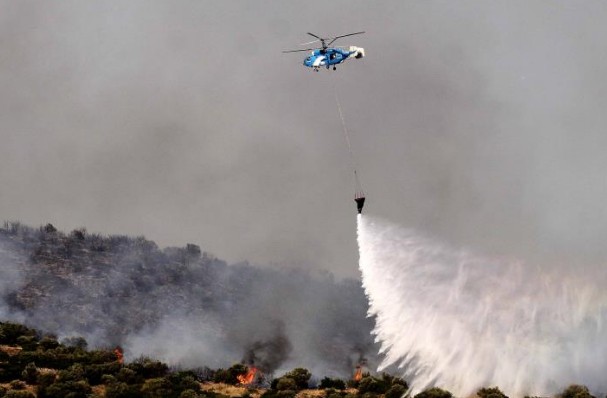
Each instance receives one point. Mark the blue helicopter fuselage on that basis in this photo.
(328, 57)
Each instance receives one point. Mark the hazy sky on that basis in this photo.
(481, 123)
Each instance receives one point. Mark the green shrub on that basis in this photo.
(49, 343)
(301, 377)
(129, 376)
(17, 385)
(3, 391)
(434, 392)
(66, 389)
(333, 393)
(396, 391)
(9, 332)
(230, 375)
(286, 394)
(75, 342)
(157, 388)
(286, 383)
(576, 391)
(28, 343)
(328, 382)
(30, 373)
(122, 390)
(189, 394)
(493, 392)
(148, 368)
(95, 372)
(19, 394)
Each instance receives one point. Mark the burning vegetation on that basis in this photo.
(249, 377)
(119, 354)
(74, 371)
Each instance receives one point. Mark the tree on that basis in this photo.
(396, 391)
(434, 392)
(286, 383)
(493, 392)
(230, 376)
(328, 382)
(576, 391)
(301, 377)
(30, 373)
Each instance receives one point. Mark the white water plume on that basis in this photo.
(458, 321)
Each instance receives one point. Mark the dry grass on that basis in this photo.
(229, 390)
(310, 394)
(28, 387)
(12, 351)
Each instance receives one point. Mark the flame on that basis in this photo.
(249, 377)
(119, 354)
(358, 374)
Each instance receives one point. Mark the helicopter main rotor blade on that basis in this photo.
(310, 42)
(313, 35)
(349, 34)
(297, 51)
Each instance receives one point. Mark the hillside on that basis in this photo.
(181, 305)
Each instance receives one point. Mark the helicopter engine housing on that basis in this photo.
(359, 52)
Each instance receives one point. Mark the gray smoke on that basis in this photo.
(270, 353)
(479, 122)
(181, 305)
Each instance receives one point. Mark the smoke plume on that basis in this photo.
(461, 321)
(180, 305)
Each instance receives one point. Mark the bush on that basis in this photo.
(576, 391)
(156, 388)
(434, 392)
(148, 368)
(28, 343)
(333, 393)
(17, 385)
(67, 389)
(373, 385)
(301, 377)
(122, 390)
(73, 373)
(129, 376)
(396, 391)
(189, 394)
(49, 343)
(493, 392)
(30, 373)
(75, 342)
(94, 373)
(3, 391)
(230, 376)
(286, 383)
(19, 394)
(328, 382)
(286, 394)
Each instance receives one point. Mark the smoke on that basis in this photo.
(181, 305)
(461, 321)
(11, 274)
(270, 353)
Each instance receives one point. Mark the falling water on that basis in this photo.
(459, 321)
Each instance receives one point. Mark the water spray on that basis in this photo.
(456, 320)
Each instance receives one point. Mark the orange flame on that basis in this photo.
(119, 354)
(358, 374)
(249, 377)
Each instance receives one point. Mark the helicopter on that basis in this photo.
(329, 56)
